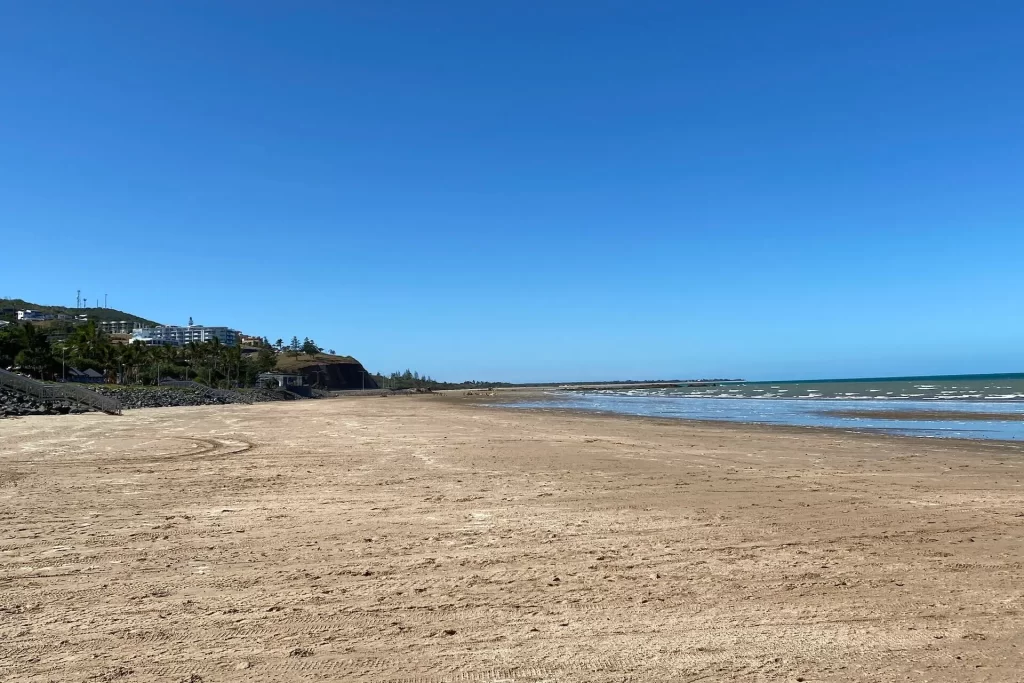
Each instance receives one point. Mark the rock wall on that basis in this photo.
(167, 397)
(337, 376)
(13, 404)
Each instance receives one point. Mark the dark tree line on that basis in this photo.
(411, 379)
(295, 347)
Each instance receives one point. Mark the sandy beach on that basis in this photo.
(434, 539)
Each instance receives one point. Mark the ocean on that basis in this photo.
(950, 406)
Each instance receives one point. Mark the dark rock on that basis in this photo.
(13, 404)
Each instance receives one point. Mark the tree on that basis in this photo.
(12, 341)
(279, 345)
(310, 348)
(331, 351)
(213, 352)
(36, 356)
(110, 361)
(89, 346)
(166, 359)
(265, 360)
(134, 357)
(232, 360)
(294, 346)
(192, 355)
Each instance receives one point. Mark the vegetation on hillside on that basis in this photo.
(95, 314)
(288, 362)
(27, 349)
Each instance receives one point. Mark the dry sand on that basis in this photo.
(422, 539)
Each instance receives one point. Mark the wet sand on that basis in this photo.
(433, 539)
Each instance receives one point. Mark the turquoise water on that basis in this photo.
(820, 404)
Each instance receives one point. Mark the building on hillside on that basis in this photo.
(282, 379)
(176, 335)
(118, 326)
(34, 316)
(249, 340)
(87, 376)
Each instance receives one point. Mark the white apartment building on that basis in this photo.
(119, 326)
(177, 335)
(34, 316)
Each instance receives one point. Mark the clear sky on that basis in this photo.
(531, 190)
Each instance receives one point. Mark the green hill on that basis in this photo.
(289, 362)
(8, 306)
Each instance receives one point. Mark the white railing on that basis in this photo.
(57, 392)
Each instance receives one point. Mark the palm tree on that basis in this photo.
(88, 344)
(110, 361)
(165, 357)
(134, 355)
(233, 357)
(191, 351)
(175, 356)
(214, 350)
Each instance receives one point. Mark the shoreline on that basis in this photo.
(489, 399)
(490, 402)
(1000, 444)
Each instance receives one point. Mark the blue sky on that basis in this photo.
(531, 191)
